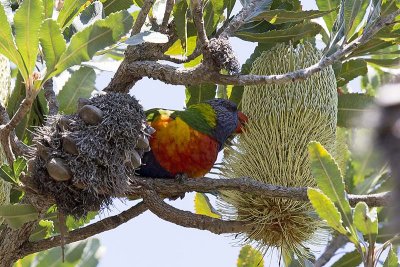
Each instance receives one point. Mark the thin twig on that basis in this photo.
(85, 232)
(239, 19)
(189, 219)
(141, 18)
(197, 11)
(335, 244)
(167, 14)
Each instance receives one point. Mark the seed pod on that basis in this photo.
(82, 102)
(69, 145)
(142, 143)
(58, 170)
(91, 114)
(43, 151)
(283, 119)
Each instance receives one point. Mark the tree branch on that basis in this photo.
(197, 11)
(171, 188)
(50, 97)
(85, 232)
(336, 243)
(141, 18)
(189, 219)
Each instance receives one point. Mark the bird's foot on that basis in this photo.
(180, 177)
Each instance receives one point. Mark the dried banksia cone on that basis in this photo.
(81, 158)
(283, 119)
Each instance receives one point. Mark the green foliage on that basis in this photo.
(85, 253)
(392, 259)
(111, 6)
(349, 259)
(366, 221)
(43, 230)
(351, 107)
(18, 214)
(69, 11)
(203, 206)
(12, 174)
(350, 70)
(250, 257)
(279, 16)
(199, 93)
(328, 5)
(80, 84)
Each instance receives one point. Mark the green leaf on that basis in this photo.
(69, 11)
(203, 206)
(250, 257)
(48, 8)
(261, 7)
(385, 62)
(26, 261)
(366, 221)
(199, 93)
(293, 34)
(352, 69)
(229, 6)
(97, 36)
(179, 12)
(326, 210)
(328, 5)
(351, 106)
(352, 9)
(27, 21)
(392, 260)
(147, 37)
(80, 84)
(17, 215)
(52, 42)
(111, 6)
(349, 259)
(212, 15)
(278, 16)
(72, 223)
(42, 231)
(362, 6)
(329, 179)
(7, 45)
(11, 175)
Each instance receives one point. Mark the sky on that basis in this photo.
(148, 241)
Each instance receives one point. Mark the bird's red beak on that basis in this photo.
(242, 121)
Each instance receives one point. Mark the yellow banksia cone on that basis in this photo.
(283, 119)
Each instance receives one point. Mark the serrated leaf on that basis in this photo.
(42, 231)
(392, 260)
(52, 42)
(294, 33)
(199, 93)
(328, 5)
(351, 106)
(17, 215)
(278, 16)
(147, 37)
(261, 6)
(349, 259)
(7, 45)
(203, 206)
(69, 11)
(250, 257)
(326, 210)
(352, 8)
(88, 16)
(371, 46)
(352, 69)
(48, 8)
(329, 179)
(366, 221)
(97, 36)
(27, 21)
(80, 85)
(111, 6)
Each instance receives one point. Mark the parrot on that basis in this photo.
(187, 142)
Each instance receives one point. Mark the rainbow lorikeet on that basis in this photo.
(187, 142)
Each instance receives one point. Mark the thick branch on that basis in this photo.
(197, 11)
(189, 219)
(85, 232)
(170, 188)
(50, 97)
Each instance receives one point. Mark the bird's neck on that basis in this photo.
(200, 117)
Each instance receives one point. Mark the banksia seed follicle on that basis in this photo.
(283, 119)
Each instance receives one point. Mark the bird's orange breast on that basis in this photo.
(179, 148)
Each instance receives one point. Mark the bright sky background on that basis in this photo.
(147, 240)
